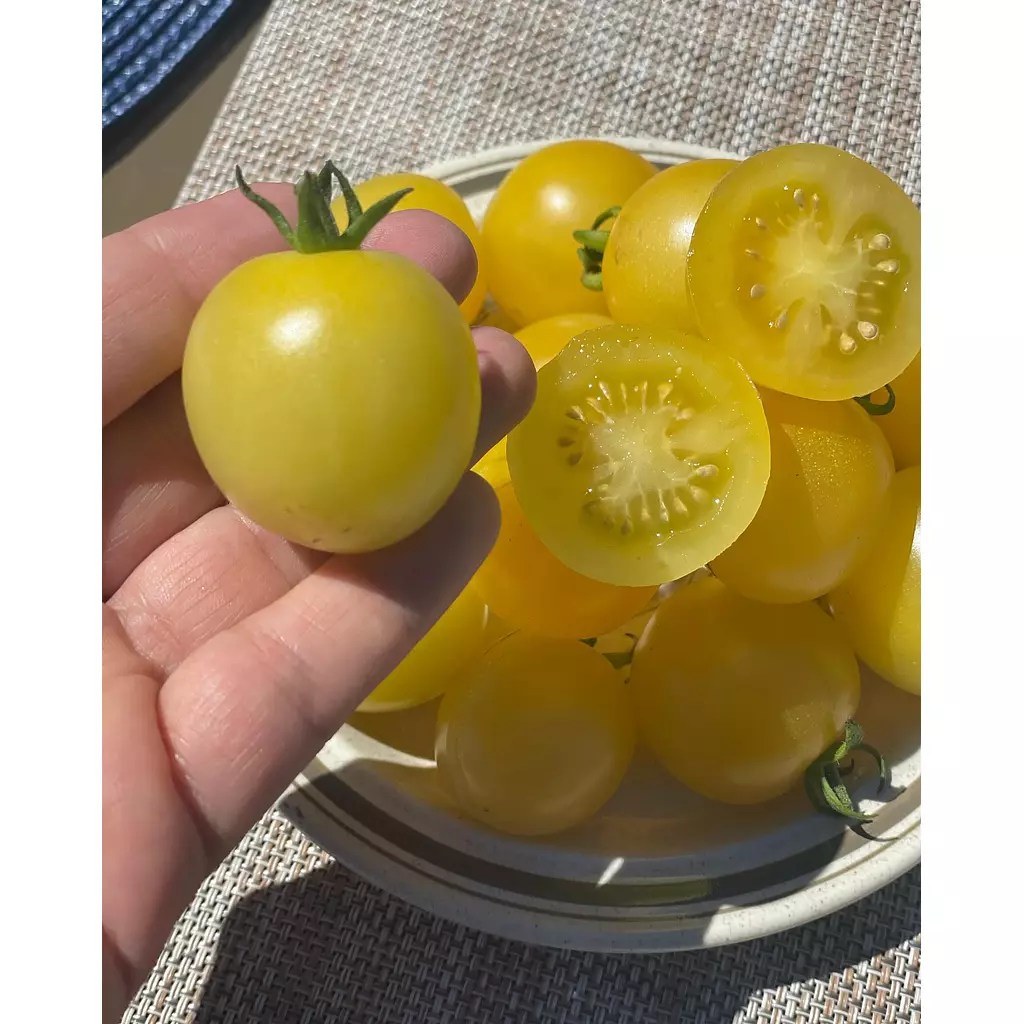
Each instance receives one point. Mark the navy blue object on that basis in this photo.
(155, 52)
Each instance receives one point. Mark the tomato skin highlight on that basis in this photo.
(437, 197)
(805, 265)
(644, 265)
(879, 605)
(292, 381)
(528, 587)
(826, 497)
(737, 698)
(646, 454)
(454, 641)
(529, 251)
(537, 737)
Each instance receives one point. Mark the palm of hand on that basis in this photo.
(230, 655)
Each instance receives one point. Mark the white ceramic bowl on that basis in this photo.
(659, 868)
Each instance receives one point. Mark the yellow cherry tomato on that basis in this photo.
(427, 194)
(529, 587)
(645, 454)
(902, 426)
(644, 267)
(826, 496)
(805, 265)
(546, 338)
(333, 396)
(455, 640)
(879, 605)
(543, 340)
(529, 251)
(736, 698)
(537, 737)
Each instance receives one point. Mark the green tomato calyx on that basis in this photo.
(878, 408)
(824, 783)
(315, 229)
(593, 242)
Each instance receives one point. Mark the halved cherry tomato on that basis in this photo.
(645, 454)
(543, 340)
(805, 265)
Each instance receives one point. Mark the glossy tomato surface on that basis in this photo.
(454, 641)
(644, 266)
(537, 737)
(326, 411)
(902, 426)
(427, 194)
(529, 250)
(826, 497)
(528, 587)
(737, 698)
(879, 606)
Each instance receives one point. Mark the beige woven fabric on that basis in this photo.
(281, 934)
(383, 85)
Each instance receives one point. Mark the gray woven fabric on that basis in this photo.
(281, 934)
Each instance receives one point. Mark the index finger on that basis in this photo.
(156, 275)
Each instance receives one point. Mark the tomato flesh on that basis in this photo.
(805, 266)
(645, 455)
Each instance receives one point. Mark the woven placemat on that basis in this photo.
(281, 934)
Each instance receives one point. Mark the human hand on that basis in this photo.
(230, 655)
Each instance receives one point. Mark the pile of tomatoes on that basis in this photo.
(710, 516)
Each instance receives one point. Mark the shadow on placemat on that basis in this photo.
(329, 948)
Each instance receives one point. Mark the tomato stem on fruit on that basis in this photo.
(593, 241)
(315, 229)
(824, 783)
(878, 408)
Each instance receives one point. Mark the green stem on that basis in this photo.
(878, 408)
(824, 780)
(593, 242)
(315, 229)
